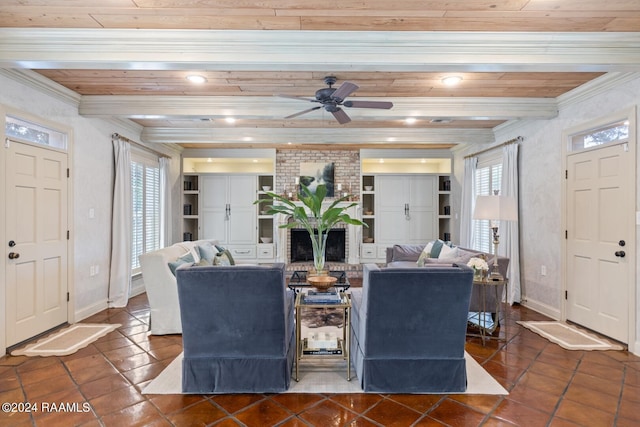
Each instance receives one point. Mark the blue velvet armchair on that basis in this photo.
(408, 329)
(237, 329)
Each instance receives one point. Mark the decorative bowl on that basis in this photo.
(368, 240)
(266, 187)
(368, 212)
(266, 239)
(322, 283)
(368, 187)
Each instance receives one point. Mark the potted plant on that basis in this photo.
(317, 221)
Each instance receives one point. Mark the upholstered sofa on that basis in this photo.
(161, 287)
(407, 256)
(408, 327)
(238, 329)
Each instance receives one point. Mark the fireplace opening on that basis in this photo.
(302, 250)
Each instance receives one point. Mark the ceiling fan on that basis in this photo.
(331, 99)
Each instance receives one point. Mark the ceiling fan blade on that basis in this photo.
(341, 116)
(384, 105)
(345, 89)
(300, 98)
(303, 112)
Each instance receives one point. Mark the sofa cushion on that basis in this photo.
(406, 252)
(184, 259)
(447, 252)
(207, 253)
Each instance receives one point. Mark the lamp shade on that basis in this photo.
(496, 208)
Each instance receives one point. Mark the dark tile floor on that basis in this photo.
(548, 386)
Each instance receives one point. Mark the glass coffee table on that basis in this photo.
(307, 299)
(298, 280)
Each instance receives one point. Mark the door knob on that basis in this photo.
(13, 255)
(622, 243)
(620, 254)
(11, 243)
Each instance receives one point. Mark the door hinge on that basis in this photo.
(67, 172)
(566, 294)
(7, 143)
(566, 234)
(68, 234)
(68, 297)
(566, 174)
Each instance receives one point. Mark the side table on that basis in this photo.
(487, 327)
(344, 344)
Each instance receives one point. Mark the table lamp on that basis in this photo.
(496, 208)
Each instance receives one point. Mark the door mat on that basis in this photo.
(66, 341)
(568, 336)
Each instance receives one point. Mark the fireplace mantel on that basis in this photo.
(353, 233)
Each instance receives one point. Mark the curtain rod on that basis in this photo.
(511, 141)
(151, 150)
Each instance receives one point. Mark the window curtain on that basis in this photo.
(510, 236)
(468, 202)
(165, 202)
(120, 271)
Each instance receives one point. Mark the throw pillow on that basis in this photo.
(426, 253)
(447, 252)
(184, 259)
(207, 252)
(436, 248)
(224, 253)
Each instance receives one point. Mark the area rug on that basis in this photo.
(569, 336)
(67, 341)
(326, 376)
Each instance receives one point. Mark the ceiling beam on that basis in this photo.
(252, 137)
(139, 49)
(254, 107)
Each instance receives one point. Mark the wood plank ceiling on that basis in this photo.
(139, 91)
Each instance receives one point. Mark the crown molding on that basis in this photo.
(318, 50)
(595, 87)
(39, 82)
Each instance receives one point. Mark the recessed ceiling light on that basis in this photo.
(381, 161)
(196, 78)
(209, 160)
(451, 80)
(229, 120)
(391, 139)
(410, 120)
(247, 138)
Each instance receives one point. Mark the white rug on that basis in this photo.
(569, 336)
(67, 341)
(326, 376)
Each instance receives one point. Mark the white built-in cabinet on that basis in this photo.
(403, 208)
(221, 207)
(406, 209)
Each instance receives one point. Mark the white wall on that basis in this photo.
(92, 180)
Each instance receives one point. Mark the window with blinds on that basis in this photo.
(145, 194)
(488, 179)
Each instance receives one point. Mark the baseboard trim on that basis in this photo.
(91, 310)
(542, 308)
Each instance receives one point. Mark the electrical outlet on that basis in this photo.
(92, 271)
(96, 269)
(543, 270)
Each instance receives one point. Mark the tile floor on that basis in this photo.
(548, 386)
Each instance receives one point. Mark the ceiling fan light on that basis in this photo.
(451, 80)
(229, 120)
(196, 78)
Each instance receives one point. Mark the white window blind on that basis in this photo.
(488, 179)
(145, 194)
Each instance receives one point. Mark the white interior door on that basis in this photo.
(36, 247)
(422, 209)
(600, 249)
